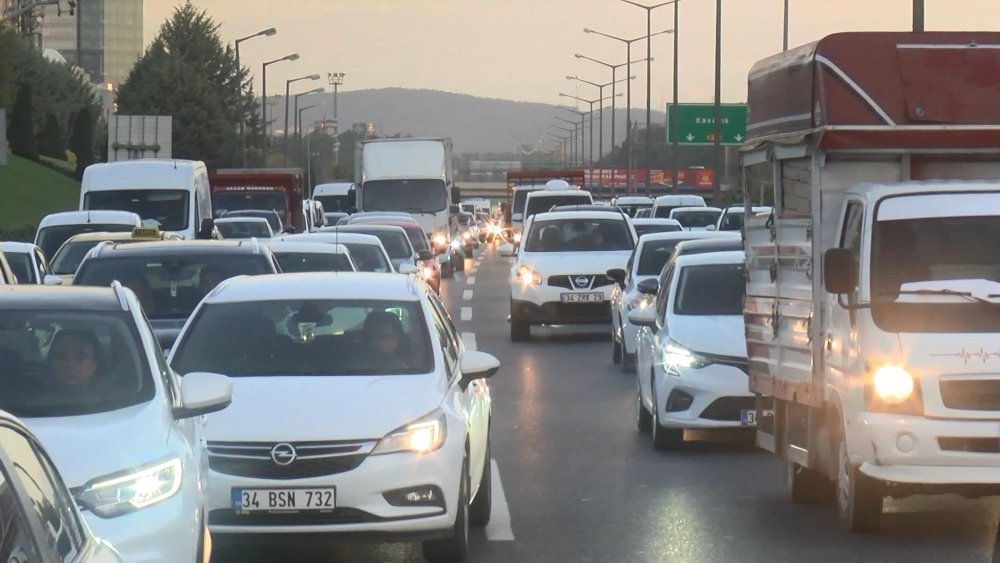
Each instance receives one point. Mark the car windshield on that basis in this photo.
(656, 228)
(732, 221)
(243, 229)
(413, 196)
(663, 211)
(335, 202)
(579, 235)
(696, 219)
(68, 259)
(294, 262)
(20, 264)
(632, 209)
(710, 289)
(166, 209)
(225, 202)
(169, 287)
(270, 216)
(542, 203)
(307, 338)
(51, 238)
(654, 255)
(69, 362)
(367, 257)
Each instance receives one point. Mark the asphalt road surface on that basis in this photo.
(574, 480)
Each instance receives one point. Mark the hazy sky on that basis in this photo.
(523, 49)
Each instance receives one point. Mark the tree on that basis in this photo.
(82, 143)
(51, 141)
(188, 74)
(22, 127)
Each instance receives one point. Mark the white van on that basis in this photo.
(57, 228)
(173, 195)
(664, 204)
(336, 196)
(555, 192)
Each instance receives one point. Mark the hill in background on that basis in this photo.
(30, 191)
(474, 124)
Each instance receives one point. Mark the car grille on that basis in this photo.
(311, 459)
(975, 445)
(727, 408)
(594, 281)
(971, 394)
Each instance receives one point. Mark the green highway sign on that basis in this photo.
(696, 124)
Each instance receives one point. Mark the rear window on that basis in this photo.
(646, 229)
(418, 239)
(20, 264)
(169, 287)
(654, 255)
(711, 289)
(397, 244)
(579, 235)
(368, 257)
(296, 262)
(696, 219)
(541, 204)
(243, 229)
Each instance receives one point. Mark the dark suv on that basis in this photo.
(170, 278)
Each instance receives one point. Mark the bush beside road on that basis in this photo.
(29, 191)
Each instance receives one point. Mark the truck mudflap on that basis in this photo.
(766, 424)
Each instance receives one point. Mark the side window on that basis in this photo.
(16, 543)
(663, 295)
(49, 504)
(449, 345)
(851, 236)
(170, 385)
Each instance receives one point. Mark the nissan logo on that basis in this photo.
(283, 454)
(582, 281)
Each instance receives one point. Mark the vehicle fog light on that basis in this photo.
(423, 495)
(906, 442)
(679, 401)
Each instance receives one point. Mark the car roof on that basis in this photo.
(317, 285)
(240, 219)
(71, 298)
(178, 248)
(625, 199)
(688, 235)
(602, 214)
(698, 208)
(248, 213)
(655, 221)
(680, 198)
(753, 209)
(100, 236)
(585, 207)
(715, 244)
(332, 238)
(16, 247)
(280, 246)
(358, 228)
(85, 217)
(708, 258)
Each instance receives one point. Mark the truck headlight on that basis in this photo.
(122, 493)
(440, 240)
(673, 356)
(421, 436)
(517, 238)
(527, 276)
(893, 384)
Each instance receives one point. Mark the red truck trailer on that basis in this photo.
(279, 189)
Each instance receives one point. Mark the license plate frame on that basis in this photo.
(588, 297)
(748, 417)
(325, 497)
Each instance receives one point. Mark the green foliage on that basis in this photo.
(188, 74)
(51, 139)
(31, 191)
(82, 143)
(22, 128)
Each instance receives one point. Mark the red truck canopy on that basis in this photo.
(287, 182)
(881, 90)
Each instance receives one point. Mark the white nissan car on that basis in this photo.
(692, 359)
(359, 411)
(560, 274)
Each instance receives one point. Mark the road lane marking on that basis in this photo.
(467, 295)
(499, 527)
(469, 338)
(466, 313)
(470, 280)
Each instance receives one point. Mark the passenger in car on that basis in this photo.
(74, 359)
(385, 339)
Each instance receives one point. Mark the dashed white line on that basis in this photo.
(469, 338)
(467, 295)
(470, 280)
(466, 313)
(499, 527)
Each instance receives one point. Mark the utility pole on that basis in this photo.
(717, 126)
(336, 79)
(784, 37)
(675, 146)
(918, 15)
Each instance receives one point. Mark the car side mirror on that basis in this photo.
(507, 250)
(52, 279)
(408, 269)
(517, 216)
(477, 365)
(710, 228)
(425, 255)
(618, 275)
(840, 271)
(206, 230)
(649, 286)
(643, 317)
(203, 393)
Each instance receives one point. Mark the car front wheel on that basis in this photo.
(482, 504)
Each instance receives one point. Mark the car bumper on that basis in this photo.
(361, 509)
(910, 449)
(167, 531)
(714, 396)
(556, 313)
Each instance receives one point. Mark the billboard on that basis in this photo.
(687, 178)
(131, 137)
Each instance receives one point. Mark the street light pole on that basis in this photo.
(717, 126)
(591, 115)
(263, 106)
(784, 35)
(307, 159)
(918, 15)
(614, 80)
(675, 147)
(600, 108)
(571, 136)
(298, 132)
(288, 83)
(239, 77)
(336, 79)
(649, 81)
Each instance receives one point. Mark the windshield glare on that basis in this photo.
(578, 235)
(169, 287)
(696, 219)
(307, 337)
(51, 238)
(62, 363)
(711, 289)
(541, 204)
(647, 229)
(654, 256)
(294, 262)
(68, 259)
(631, 210)
(224, 202)
(367, 257)
(413, 196)
(167, 209)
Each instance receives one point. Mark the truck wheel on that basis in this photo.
(859, 497)
(807, 485)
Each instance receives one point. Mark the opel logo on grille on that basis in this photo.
(582, 281)
(283, 454)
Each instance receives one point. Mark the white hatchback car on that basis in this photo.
(367, 251)
(81, 368)
(296, 257)
(359, 411)
(646, 263)
(696, 218)
(560, 275)
(692, 359)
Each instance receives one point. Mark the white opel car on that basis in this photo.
(692, 359)
(696, 218)
(646, 263)
(359, 411)
(560, 274)
(81, 368)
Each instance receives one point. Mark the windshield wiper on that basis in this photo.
(963, 294)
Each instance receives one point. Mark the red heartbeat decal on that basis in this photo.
(966, 355)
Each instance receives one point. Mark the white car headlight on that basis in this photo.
(421, 436)
(893, 384)
(673, 355)
(119, 494)
(641, 301)
(517, 237)
(456, 244)
(440, 239)
(527, 276)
